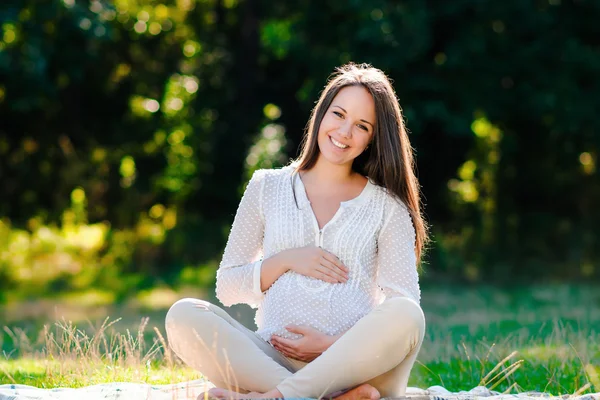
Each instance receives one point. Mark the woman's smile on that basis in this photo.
(337, 144)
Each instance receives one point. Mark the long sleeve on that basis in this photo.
(238, 276)
(396, 260)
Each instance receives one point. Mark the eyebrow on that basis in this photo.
(363, 120)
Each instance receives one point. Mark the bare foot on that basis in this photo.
(218, 393)
(362, 392)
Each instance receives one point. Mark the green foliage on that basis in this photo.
(146, 105)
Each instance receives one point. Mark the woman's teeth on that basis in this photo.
(338, 144)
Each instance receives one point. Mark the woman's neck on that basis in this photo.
(324, 173)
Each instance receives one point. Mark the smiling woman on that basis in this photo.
(327, 250)
(345, 131)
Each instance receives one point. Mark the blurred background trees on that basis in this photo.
(128, 129)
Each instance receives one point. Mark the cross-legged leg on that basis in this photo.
(379, 349)
(231, 356)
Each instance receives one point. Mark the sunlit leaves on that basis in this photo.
(467, 171)
(466, 189)
(127, 170)
(181, 163)
(78, 196)
(157, 211)
(9, 33)
(475, 191)
(484, 129)
(86, 237)
(276, 36)
(168, 216)
(120, 72)
(98, 155)
(487, 155)
(268, 150)
(179, 91)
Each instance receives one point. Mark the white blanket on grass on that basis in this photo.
(191, 390)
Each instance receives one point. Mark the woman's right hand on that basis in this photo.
(317, 263)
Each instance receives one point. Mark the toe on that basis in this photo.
(369, 392)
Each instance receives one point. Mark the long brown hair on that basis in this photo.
(388, 160)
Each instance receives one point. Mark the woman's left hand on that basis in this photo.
(310, 346)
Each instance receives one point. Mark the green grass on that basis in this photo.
(53, 373)
(536, 338)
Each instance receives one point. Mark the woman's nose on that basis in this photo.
(345, 130)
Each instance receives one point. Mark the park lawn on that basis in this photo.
(55, 373)
(458, 374)
(535, 338)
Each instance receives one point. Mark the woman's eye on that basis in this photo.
(364, 128)
(339, 114)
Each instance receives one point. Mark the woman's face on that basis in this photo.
(348, 125)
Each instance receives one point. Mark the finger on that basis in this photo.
(288, 344)
(279, 342)
(288, 352)
(285, 350)
(292, 344)
(326, 274)
(296, 329)
(338, 274)
(333, 259)
(323, 274)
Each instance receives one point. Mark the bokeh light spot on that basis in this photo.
(467, 170)
(140, 27)
(376, 14)
(440, 58)
(151, 105)
(271, 111)
(85, 24)
(154, 28)
(157, 211)
(175, 104)
(161, 11)
(127, 168)
(587, 162)
(498, 26)
(143, 16)
(96, 7)
(191, 85)
(78, 195)
(176, 137)
(10, 35)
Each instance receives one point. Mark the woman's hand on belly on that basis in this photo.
(310, 346)
(315, 262)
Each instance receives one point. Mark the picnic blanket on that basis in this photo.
(190, 391)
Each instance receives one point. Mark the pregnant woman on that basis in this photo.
(326, 249)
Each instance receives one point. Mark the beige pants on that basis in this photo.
(380, 349)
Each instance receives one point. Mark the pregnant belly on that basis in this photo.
(298, 300)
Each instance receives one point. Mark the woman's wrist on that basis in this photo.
(272, 268)
(278, 262)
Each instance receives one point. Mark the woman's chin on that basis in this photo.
(338, 160)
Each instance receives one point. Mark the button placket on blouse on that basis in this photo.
(319, 232)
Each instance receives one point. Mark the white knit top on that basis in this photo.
(372, 235)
